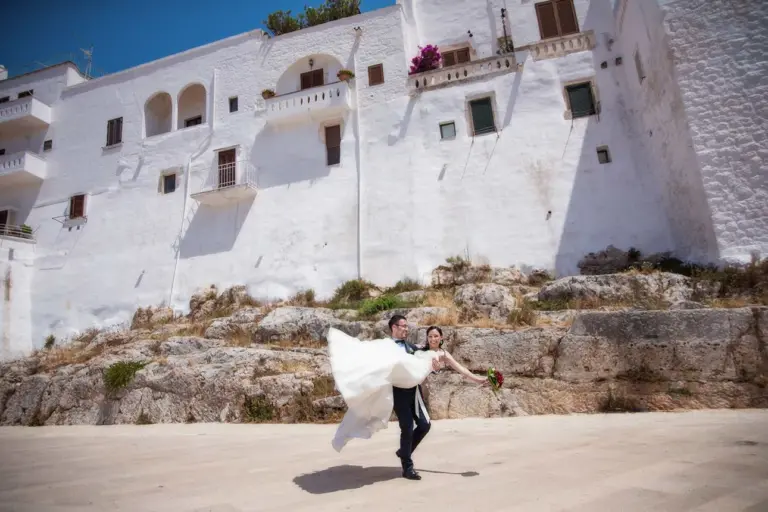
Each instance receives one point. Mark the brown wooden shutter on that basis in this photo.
(376, 74)
(567, 17)
(462, 55)
(306, 80)
(333, 144)
(317, 78)
(76, 207)
(545, 12)
(449, 59)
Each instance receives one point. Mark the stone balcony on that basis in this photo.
(316, 103)
(22, 168)
(443, 77)
(562, 46)
(23, 116)
(227, 183)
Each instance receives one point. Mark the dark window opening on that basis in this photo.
(376, 74)
(169, 183)
(24, 94)
(557, 18)
(233, 104)
(482, 116)
(448, 130)
(603, 155)
(581, 100)
(5, 99)
(193, 121)
(333, 144)
(114, 131)
(48, 145)
(312, 79)
(2, 151)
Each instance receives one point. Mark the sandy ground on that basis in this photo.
(713, 461)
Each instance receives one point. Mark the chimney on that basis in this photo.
(3, 72)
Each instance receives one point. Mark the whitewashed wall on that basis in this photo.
(401, 200)
(16, 311)
(719, 49)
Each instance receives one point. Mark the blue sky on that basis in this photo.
(125, 34)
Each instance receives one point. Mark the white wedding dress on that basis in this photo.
(364, 372)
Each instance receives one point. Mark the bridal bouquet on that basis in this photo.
(496, 379)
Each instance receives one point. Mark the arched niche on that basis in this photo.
(191, 102)
(291, 79)
(158, 114)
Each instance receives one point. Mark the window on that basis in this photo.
(556, 18)
(639, 67)
(448, 130)
(453, 57)
(24, 94)
(376, 74)
(77, 206)
(581, 100)
(233, 104)
(333, 144)
(114, 131)
(2, 151)
(5, 99)
(312, 79)
(48, 145)
(482, 116)
(169, 183)
(5, 217)
(193, 121)
(603, 155)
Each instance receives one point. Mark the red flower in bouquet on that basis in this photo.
(496, 379)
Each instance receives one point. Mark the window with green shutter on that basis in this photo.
(581, 100)
(482, 116)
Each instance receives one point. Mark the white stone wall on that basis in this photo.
(719, 49)
(533, 194)
(16, 271)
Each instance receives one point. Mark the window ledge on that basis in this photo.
(76, 222)
(113, 146)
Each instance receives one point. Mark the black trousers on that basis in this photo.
(410, 437)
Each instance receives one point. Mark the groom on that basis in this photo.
(408, 404)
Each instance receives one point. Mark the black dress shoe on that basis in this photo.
(411, 474)
(398, 454)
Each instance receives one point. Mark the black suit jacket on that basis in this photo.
(411, 349)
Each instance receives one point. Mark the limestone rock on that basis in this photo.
(507, 276)
(619, 288)
(297, 322)
(412, 296)
(487, 300)
(608, 261)
(690, 345)
(686, 304)
(245, 320)
(528, 353)
(416, 316)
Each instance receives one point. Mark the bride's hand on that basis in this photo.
(436, 364)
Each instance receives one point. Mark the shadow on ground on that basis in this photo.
(346, 477)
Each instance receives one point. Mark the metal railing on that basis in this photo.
(232, 174)
(23, 232)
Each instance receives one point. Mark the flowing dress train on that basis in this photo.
(364, 373)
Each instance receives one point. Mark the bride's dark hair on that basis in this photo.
(430, 329)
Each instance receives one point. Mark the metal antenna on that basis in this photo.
(89, 58)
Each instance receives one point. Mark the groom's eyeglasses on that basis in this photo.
(402, 326)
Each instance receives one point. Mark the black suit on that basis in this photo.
(405, 406)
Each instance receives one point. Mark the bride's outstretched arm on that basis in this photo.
(463, 371)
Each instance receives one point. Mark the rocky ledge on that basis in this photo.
(233, 359)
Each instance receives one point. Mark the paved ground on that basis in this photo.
(710, 461)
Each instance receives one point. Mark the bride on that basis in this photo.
(366, 371)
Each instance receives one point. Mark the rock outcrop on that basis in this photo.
(234, 360)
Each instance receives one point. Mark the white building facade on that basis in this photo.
(594, 122)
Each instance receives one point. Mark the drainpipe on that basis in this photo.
(358, 156)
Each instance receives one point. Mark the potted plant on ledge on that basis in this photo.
(267, 93)
(345, 75)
